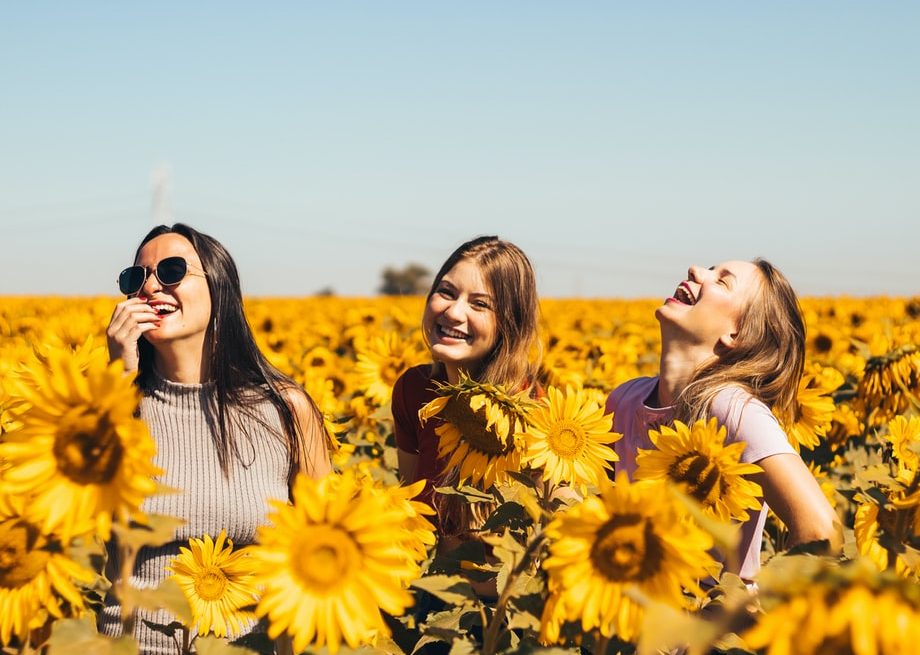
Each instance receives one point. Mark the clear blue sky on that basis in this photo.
(617, 143)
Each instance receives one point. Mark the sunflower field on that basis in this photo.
(562, 558)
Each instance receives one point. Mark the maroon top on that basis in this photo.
(413, 390)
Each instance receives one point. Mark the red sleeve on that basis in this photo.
(405, 412)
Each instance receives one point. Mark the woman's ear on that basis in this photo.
(727, 341)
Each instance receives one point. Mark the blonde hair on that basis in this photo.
(767, 358)
(513, 361)
(515, 358)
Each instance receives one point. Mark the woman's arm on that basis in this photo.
(312, 437)
(408, 465)
(794, 495)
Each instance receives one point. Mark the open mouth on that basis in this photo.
(683, 295)
(162, 308)
(451, 333)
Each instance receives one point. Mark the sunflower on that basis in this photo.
(634, 536)
(815, 606)
(814, 407)
(37, 579)
(897, 525)
(904, 437)
(80, 454)
(380, 362)
(568, 438)
(890, 384)
(218, 583)
(328, 564)
(697, 459)
(480, 433)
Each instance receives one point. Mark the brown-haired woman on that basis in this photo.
(733, 347)
(480, 318)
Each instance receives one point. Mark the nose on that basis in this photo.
(695, 273)
(151, 284)
(455, 311)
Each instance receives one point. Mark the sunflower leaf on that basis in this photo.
(79, 637)
(167, 596)
(451, 589)
(211, 645)
(156, 531)
(507, 515)
(470, 493)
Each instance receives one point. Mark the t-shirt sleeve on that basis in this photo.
(405, 425)
(751, 421)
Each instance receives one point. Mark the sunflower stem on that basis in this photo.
(493, 631)
(128, 610)
(603, 643)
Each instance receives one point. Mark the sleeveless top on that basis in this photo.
(184, 429)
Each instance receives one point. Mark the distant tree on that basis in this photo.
(325, 292)
(412, 279)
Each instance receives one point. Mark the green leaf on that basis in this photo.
(79, 637)
(167, 596)
(168, 630)
(507, 515)
(451, 589)
(524, 478)
(472, 494)
(462, 647)
(158, 530)
(683, 629)
(211, 645)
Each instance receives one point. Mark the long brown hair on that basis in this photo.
(514, 360)
(767, 358)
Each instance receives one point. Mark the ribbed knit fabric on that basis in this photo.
(179, 422)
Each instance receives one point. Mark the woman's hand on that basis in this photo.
(131, 318)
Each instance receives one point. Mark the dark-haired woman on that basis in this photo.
(231, 431)
(733, 348)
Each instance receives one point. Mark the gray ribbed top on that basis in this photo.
(181, 425)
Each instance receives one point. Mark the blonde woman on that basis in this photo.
(480, 318)
(733, 347)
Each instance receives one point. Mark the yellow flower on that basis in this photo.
(480, 430)
(80, 455)
(897, 525)
(218, 583)
(814, 407)
(568, 439)
(904, 437)
(380, 362)
(633, 536)
(697, 459)
(816, 607)
(344, 550)
(890, 384)
(37, 579)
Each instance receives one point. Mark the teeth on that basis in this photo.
(684, 296)
(454, 334)
(163, 309)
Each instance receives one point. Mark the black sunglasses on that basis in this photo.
(170, 272)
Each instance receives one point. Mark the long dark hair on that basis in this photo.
(241, 375)
(514, 360)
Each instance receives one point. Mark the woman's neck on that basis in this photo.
(181, 362)
(677, 365)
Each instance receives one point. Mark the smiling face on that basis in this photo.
(707, 307)
(184, 308)
(459, 319)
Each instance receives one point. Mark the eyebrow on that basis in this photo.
(724, 272)
(481, 294)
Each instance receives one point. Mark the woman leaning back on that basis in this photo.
(231, 431)
(733, 348)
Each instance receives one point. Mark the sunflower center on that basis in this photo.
(20, 557)
(390, 370)
(566, 438)
(627, 549)
(210, 583)
(325, 558)
(472, 425)
(700, 475)
(87, 448)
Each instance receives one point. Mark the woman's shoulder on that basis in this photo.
(748, 419)
(633, 391)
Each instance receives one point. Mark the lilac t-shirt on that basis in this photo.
(745, 419)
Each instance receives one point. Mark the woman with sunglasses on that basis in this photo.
(231, 431)
(733, 348)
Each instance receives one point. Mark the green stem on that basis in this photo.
(128, 610)
(492, 632)
(603, 643)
